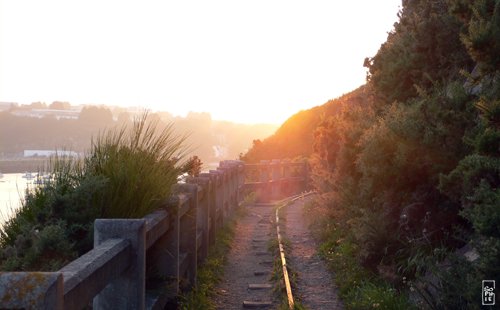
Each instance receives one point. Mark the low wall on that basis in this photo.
(276, 179)
(143, 263)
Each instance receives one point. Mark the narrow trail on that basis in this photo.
(315, 288)
(247, 275)
(247, 279)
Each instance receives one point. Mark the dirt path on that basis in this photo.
(315, 287)
(247, 275)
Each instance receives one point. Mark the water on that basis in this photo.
(12, 189)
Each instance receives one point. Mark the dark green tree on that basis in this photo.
(424, 49)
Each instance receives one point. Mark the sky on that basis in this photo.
(253, 61)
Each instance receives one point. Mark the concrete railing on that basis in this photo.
(143, 263)
(276, 179)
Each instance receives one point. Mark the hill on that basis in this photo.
(211, 140)
(295, 137)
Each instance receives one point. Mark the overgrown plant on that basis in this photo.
(127, 174)
(211, 271)
(359, 287)
(141, 164)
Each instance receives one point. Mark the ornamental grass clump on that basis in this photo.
(140, 164)
(127, 173)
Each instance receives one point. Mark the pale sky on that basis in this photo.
(247, 61)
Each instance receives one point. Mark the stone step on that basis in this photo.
(260, 286)
(256, 304)
(266, 262)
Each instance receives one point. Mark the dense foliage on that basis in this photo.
(127, 174)
(293, 139)
(412, 174)
(408, 166)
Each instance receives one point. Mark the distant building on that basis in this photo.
(48, 153)
(40, 113)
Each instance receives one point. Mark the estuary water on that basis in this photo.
(12, 190)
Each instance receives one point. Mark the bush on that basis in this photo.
(140, 166)
(127, 174)
(370, 295)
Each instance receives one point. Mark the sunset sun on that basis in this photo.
(251, 62)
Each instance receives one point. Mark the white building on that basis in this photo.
(48, 153)
(40, 113)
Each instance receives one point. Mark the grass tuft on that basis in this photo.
(359, 288)
(127, 173)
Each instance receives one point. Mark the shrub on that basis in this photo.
(140, 166)
(128, 173)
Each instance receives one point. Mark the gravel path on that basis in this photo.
(315, 287)
(249, 262)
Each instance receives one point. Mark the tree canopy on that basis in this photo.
(408, 166)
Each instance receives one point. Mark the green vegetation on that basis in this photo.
(294, 139)
(277, 274)
(127, 173)
(408, 165)
(211, 271)
(359, 287)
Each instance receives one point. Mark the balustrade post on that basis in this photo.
(237, 173)
(306, 175)
(233, 186)
(263, 193)
(163, 256)
(202, 215)
(237, 177)
(225, 189)
(276, 174)
(211, 197)
(188, 237)
(226, 167)
(219, 198)
(232, 168)
(285, 181)
(128, 290)
(241, 180)
(264, 170)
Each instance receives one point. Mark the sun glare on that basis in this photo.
(256, 61)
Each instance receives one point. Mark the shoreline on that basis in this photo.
(22, 165)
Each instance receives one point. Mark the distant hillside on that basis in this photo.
(211, 140)
(296, 136)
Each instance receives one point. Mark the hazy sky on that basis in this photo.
(245, 61)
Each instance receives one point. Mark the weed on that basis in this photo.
(359, 288)
(211, 272)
